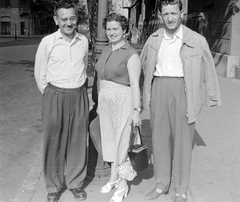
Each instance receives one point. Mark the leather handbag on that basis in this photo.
(137, 152)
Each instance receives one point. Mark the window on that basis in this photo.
(23, 3)
(5, 28)
(4, 3)
(7, 3)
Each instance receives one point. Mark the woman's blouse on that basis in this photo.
(112, 65)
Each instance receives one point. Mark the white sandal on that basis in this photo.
(109, 186)
(117, 198)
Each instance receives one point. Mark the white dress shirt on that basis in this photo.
(169, 62)
(61, 63)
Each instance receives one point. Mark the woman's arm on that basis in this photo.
(134, 70)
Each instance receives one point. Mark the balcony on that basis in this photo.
(23, 11)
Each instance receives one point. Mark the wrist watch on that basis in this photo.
(137, 109)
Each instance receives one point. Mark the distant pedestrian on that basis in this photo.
(179, 75)
(118, 71)
(60, 72)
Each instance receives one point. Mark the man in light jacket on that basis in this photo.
(179, 78)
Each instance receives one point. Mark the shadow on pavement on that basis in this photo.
(198, 141)
(24, 63)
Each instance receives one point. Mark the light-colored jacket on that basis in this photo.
(201, 83)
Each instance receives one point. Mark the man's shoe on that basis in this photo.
(181, 198)
(53, 197)
(79, 193)
(155, 193)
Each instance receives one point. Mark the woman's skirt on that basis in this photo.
(115, 107)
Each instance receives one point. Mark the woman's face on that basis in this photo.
(114, 32)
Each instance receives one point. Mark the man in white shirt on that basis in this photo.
(60, 73)
(180, 77)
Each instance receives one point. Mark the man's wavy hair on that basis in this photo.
(170, 2)
(115, 17)
(64, 4)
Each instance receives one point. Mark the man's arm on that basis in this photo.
(213, 97)
(40, 68)
(86, 56)
(143, 57)
(146, 102)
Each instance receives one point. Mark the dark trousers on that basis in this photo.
(65, 125)
(172, 136)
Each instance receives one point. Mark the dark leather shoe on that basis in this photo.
(79, 194)
(53, 197)
(154, 194)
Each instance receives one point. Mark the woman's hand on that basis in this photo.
(136, 118)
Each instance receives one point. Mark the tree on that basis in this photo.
(43, 9)
(93, 12)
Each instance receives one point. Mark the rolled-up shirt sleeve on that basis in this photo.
(40, 68)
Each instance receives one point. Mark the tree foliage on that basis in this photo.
(44, 8)
(93, 16)
(93, 12)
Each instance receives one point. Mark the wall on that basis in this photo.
(218, 21)
(19, 16)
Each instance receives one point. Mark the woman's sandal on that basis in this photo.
(109, 186)
(117, 198)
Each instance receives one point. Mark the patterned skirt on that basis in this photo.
(115, 107)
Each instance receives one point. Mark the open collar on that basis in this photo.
(179, 34)
(60, 36)
(187, 37)
(125, 46)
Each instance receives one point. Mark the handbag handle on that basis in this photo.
(133, 136)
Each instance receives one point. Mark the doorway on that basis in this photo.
(22, 28)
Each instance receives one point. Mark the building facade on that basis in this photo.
(217, 20)
(16, 18)
(119, 6)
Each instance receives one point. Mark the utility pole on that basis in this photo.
(101, 39)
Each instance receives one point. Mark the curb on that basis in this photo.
(27, 190)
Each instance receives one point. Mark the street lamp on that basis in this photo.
(101, 39)
(97, 168)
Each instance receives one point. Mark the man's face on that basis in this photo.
(66, 19)
(172, 18)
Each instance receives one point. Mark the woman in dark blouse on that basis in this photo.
(118, 71)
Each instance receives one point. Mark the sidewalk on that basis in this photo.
(215, 161)
(215, 164)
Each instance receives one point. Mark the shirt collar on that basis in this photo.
(60, 36)
(124, 46)
(179, 33)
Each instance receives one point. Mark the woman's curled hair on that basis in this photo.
(115, 17)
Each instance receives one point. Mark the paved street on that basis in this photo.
(215, 164)
(20, 120)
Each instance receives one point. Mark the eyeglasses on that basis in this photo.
(71, 19)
